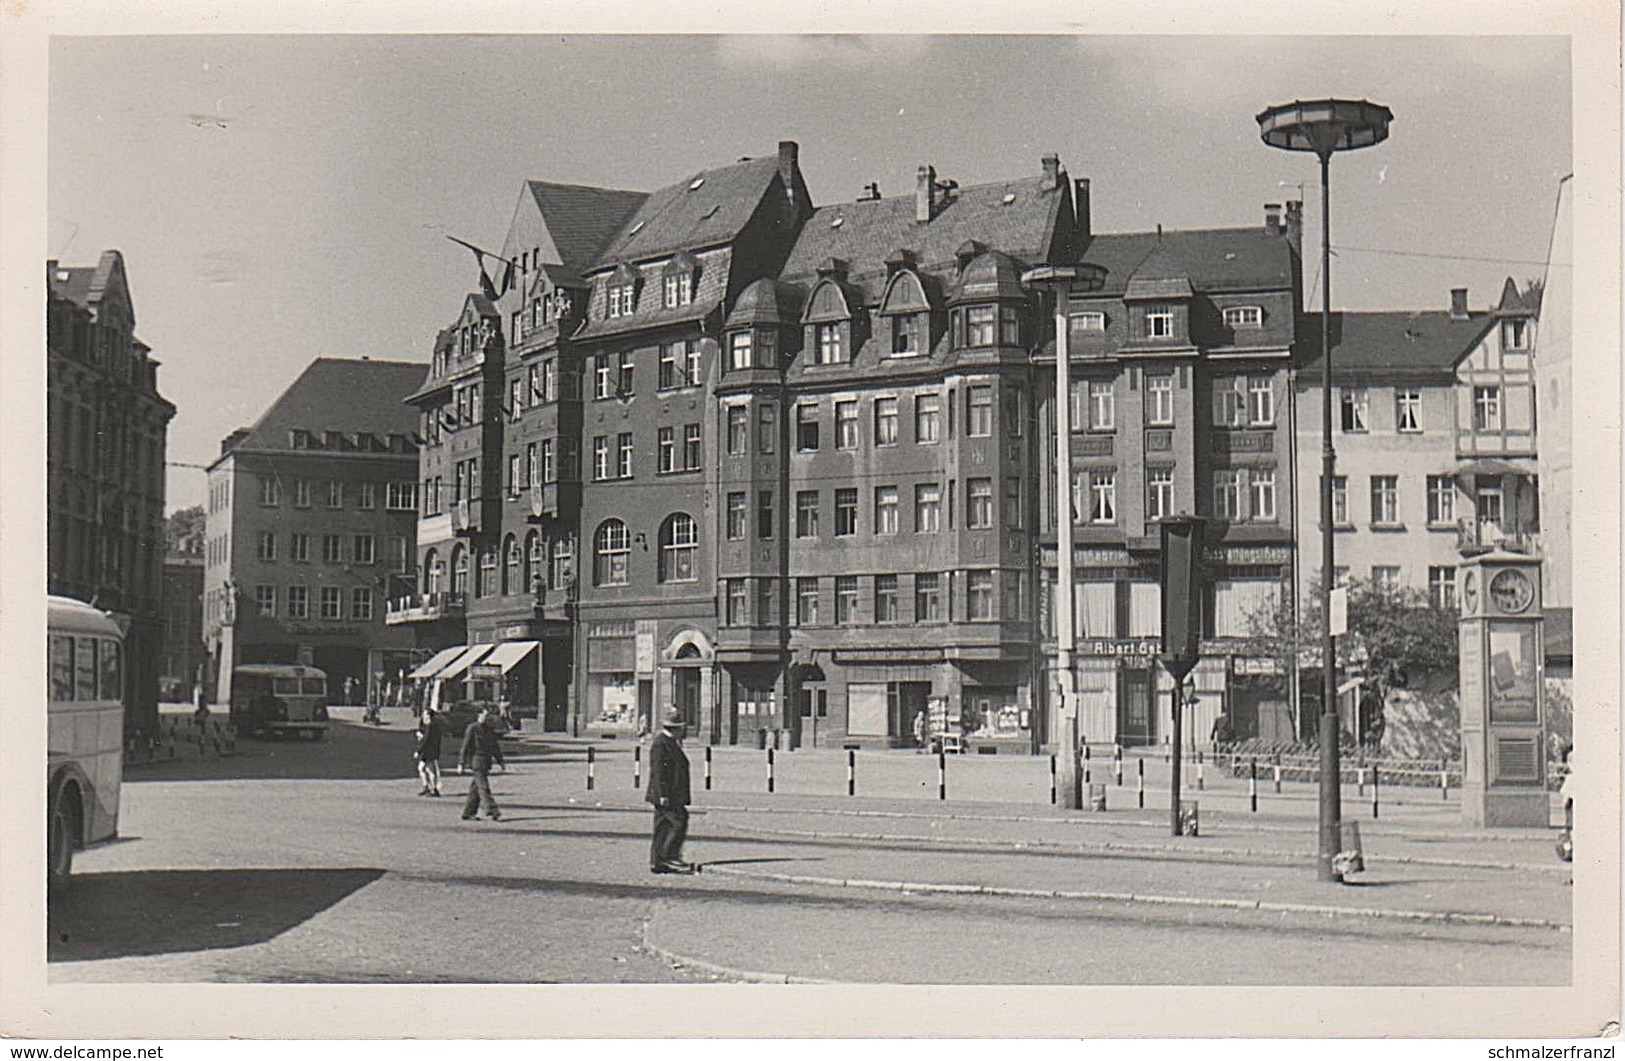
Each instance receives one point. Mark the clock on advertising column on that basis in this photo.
(1512, 591)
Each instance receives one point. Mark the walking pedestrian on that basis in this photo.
(668, 791)
(480, 750)
(427, 753)
(919, 730)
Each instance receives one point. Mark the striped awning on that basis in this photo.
(435, 662)
(509, 654)
(455, 669)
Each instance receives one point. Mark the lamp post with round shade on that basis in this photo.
(1326, 126)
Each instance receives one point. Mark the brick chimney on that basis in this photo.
(1080, 204)
(1458, 303)
(1272, 219)
(1294, 223)
(789, 152)
(1052, 173)
(925, 193)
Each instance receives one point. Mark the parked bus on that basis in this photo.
(278, 697)
(85, 737)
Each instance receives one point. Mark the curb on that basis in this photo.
(714, 969)
(1260, 906)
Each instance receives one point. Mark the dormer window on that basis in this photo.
(1243, 317)
(905, 335)
(1090, 322)
(1159, 322)
(621, 299)
(829, 319)
(1515, 334)
(905, 302)
(980, 323)
(679, 290)
(831, 351)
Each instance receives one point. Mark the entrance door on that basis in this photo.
(685, 694)
(1136, 724)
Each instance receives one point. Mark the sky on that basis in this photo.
(282, 198)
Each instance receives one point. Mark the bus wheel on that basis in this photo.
(59, 830)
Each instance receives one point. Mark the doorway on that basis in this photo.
(685, 695)
(1136, 723)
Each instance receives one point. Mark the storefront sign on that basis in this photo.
(1133, 647)
(1247, 554)
(1248, 665)
(644, 653)
(513, 632)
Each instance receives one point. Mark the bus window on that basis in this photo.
(315, 686)
(285, 686)
(84, 670)
(61, 667)
(112, 676)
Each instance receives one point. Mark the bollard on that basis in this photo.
(852, 772)
(1139, 781)
(1277, 775)
(1252, 784)
(770, 769)
(637, 766)
(1374, 791)
(942, 773)
(1088, 775)
(1117, 761)
(1359, 780)
(591, 760)
(1200, 779)
(708, 768)
(1053, 796)
(1444, 779)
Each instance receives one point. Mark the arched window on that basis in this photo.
(488, 573)
(611, 549)
(679, 545)
(459, 571)
(533, 562)
(512, 581)
(432, 572)
(563, 570)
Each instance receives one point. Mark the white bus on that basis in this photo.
(85, 742)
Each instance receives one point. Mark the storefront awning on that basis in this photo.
(435, 662)
(455, 669)
(509, 654)
(1492, 466)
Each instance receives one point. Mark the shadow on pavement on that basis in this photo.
(349, 752)
(754, 861)
(118, 915)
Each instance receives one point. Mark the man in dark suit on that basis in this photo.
(668, 791)
(480, 750)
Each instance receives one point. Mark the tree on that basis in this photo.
(183, 530)
(1395, 635)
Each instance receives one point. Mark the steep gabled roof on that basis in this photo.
(1515, 303)
(705, 210)
(582, 219)
(334, 394)
(1396, 345)
(1215, 259)
(1160, 275)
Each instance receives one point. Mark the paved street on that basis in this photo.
(314, 862)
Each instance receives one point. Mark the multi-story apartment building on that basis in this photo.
(105, 465)
(185, 659)
(1181, 403)
(309, 528)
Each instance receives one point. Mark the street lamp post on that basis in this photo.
(1325, 127)
(1060, 279)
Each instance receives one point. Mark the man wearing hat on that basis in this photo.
(668, 791)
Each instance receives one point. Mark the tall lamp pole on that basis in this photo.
(1325, 127)
(1059, 280)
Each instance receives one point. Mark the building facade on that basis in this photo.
(185, 657)
(310, 527)
(107, 427)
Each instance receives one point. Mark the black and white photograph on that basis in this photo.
(716, 529)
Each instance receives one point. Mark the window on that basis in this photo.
(624, 382)
(1159, 493)
(767, 427)
(1013, 508)
(265, 600)
(1340, 501)
(846, 512)
(979, 504)
(611, 550)
(740, 354)
(1227, 493)
(515, 478)
(806, 428)
(622, 298)
(1261, 494)
(979, 595)
(361, 603)
(488, 573)
(666, 446)
(1486, 408)
(885, 421)
(670, 353)
(267, 547)
(734, 596)
(1385, 577)
(807, 514)
(1442, 587)
(1160, 398)
(806, 602)
(1243, 316)
(270, 492)
(905, 335)
(1384, 500)
(401, 497)
(459, 571)
(546, 470)
(332, 602)
(1159, 322)
(927, 508)
(513, 580)
(1087, 323)
(623, 455)
(846, 600)
(301, 493)
(678, 289)
(1356, 409)
(1102, 409)
(978, 411)
(1009, 326)
(1441, 500)
(979, 325)
(846, 425)
(1515, 335)
(1490, 506)
(679, 547)
(1230, 401)
(561, 572)
(886, 599)
(764, 515)
(735, 522)
(738, 429)
(830, 349)
(399, 559)
(603, 383)
(363, 549)
(516, 397)
(368, 496)
(1260, 401)
(927, 599)
(927, 418)
(1013, 416)
(1102, 497)
(298, 602)
(1408, 410)
(600, 458)
(299, 547)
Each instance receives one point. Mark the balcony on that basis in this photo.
(425, 608)
(1477, 536)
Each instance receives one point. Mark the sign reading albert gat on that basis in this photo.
(1502, 705)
